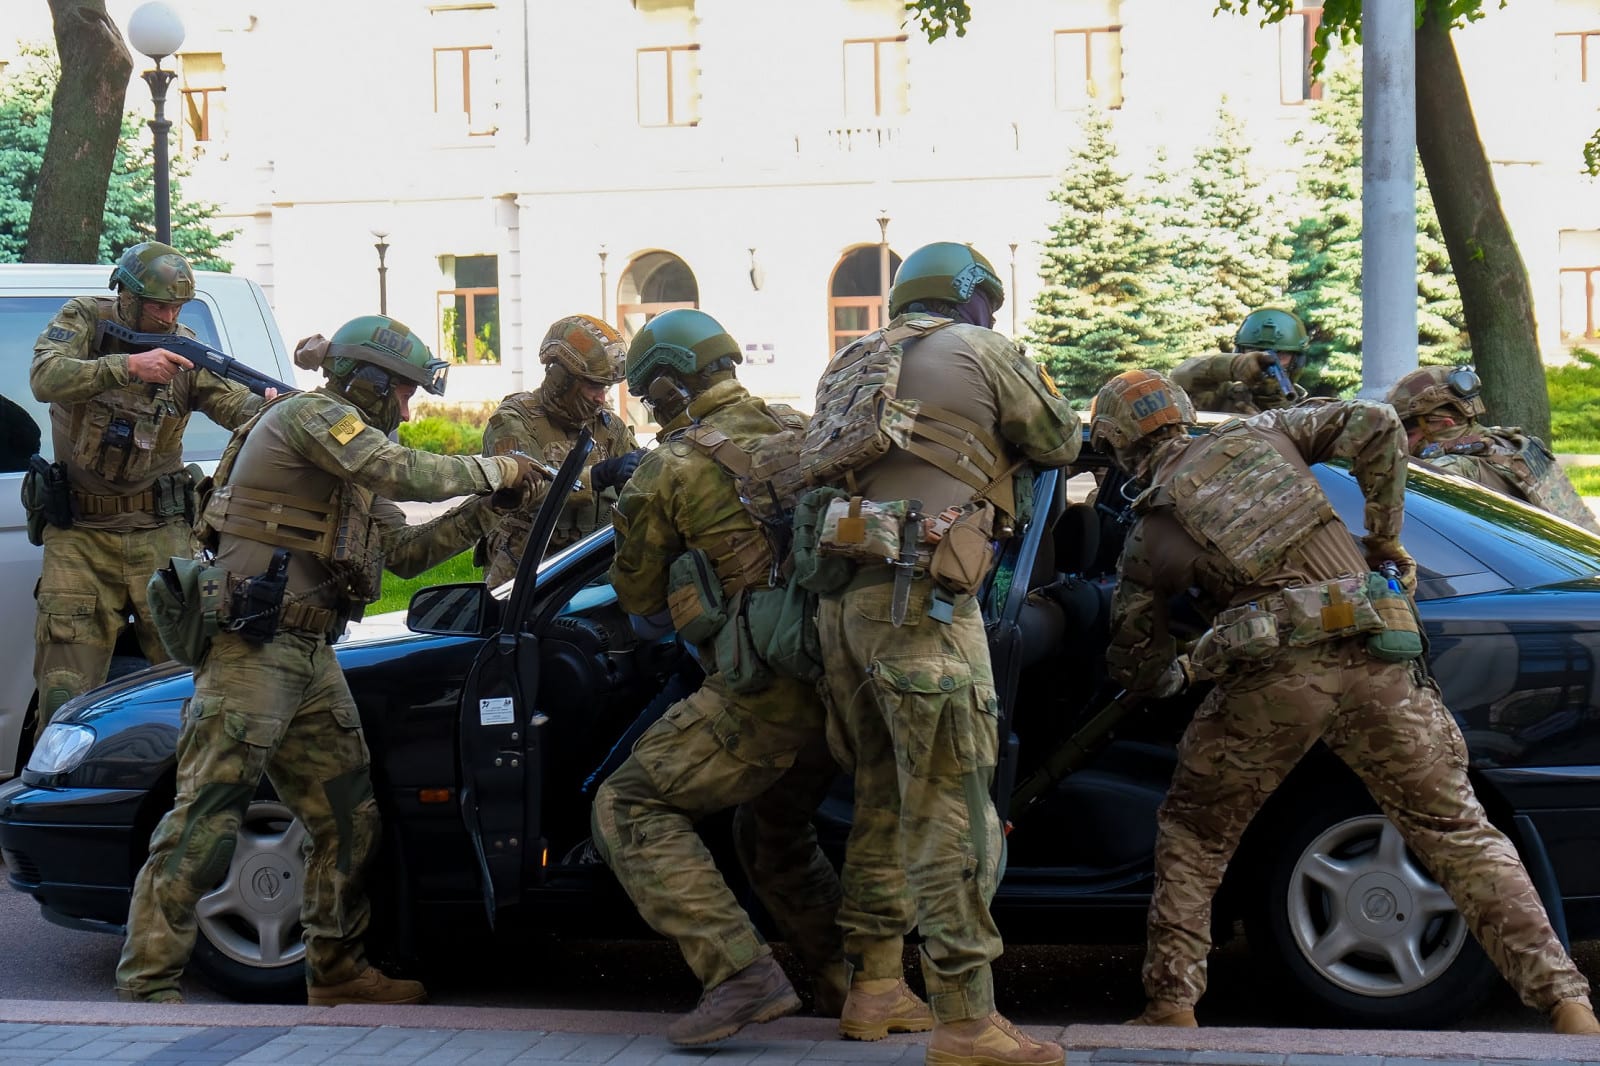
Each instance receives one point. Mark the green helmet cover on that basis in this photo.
(944, 271)
(389, 345)
(1270, 329)
(684, 340)
(154, 271)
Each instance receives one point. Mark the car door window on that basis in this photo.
(23, 318)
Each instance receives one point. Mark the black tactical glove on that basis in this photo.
(613, 472)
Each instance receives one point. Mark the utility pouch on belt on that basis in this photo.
(46, 497)
(738, 658)
(965, 548)
(1400, 640)
(173, 494)
(861, 530)
(819, 573)
(783, 627)
(188, 604)
(1327, 610)
(1240, 639)
(694, 596)
(258, 601)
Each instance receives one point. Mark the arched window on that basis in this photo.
(856, 293)
(652, 283)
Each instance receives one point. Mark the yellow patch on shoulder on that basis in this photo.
(344, 431)
(1049, 382)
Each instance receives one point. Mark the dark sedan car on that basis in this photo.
(490, 721)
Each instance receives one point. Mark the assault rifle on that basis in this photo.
(202, 355)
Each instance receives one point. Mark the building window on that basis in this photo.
(463, 87)
(1297, 34)
(469, 311)
(856, 294)
(201, 87)
(1089, 67)
(875, 77)
(1580, 303)
(669, 85)
(1578, 56)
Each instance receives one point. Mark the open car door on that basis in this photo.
(499, 729)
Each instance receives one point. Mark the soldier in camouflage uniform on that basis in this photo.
(314, 475)
(1240, 383)
(1440, 405)
(729, 743)
(583, 357)
(117, 420)
(912, 703)
(1236, 517)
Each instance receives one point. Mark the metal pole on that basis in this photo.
(883, 267)
(383, 278)
(159, 80)
(605, 296)
(1012, 292)
(1388, 194)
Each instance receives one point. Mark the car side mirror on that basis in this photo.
(465, 610)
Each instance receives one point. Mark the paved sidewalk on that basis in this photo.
(36, 1033)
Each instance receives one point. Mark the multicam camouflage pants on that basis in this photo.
(92, 579)
(282, 709)
(913, 714)
(1403, 743)
(709, 752)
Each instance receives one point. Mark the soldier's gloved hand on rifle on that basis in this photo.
(1247, 366)
(1178, 676)
(615, 471)
(157, 366)
(1380, 550)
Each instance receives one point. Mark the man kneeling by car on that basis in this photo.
(301, 520)
(1309, 641)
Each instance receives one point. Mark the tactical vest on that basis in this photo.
(337, 530)
(860, 416)
(1235, 494)
(1532, 468)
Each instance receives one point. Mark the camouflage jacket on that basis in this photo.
(522, 423)
(116, 434)
(1170, 554)
(1510, 462)
(1231, 383)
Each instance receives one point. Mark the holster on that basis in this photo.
(46, 497)
(258, 601)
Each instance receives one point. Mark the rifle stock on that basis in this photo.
(202, 355)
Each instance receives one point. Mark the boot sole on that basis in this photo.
(863, 1031)
(950, 1058)
(784, 1005)
(338, 1001)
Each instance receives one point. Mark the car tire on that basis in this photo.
(1353, 927)
(251, 944)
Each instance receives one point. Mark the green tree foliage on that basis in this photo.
(1175, 314)
(25, 95)
(1575, 403)
(1089, 320)
(1325, 263)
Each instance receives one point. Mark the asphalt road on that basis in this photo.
(1037, 984)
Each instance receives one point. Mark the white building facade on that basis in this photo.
(761, 159)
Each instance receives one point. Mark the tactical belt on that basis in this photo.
(307, 619)
(95, 506)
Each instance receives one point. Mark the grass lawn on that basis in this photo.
(1586, 479)
(397, 591)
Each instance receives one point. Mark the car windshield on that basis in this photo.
(23, 318)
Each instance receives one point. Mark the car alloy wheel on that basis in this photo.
(253, 916)
(1366, 915)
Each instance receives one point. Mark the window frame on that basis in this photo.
(1584, 42)
(669, 50)
(1088, 33)
(474, 129)
(1311, 88)
(468, 295)
(1591, 319)
(877, 74)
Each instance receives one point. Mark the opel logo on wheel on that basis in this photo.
(266, 883)
(1378, 905)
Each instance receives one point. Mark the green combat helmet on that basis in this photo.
(579, 350)
(1272, 330)
(1131, 407)
(1429, 388)
(368, 354)
(153, 271)
(946, 272)
(675, 356)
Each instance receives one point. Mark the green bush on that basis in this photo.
(1575, 403)
(397, 591)
(442, 435)
(1586, 479)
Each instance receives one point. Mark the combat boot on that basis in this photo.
(369, 986)
(758, 993)
(161, 995)
(990, 1041)
(1161, 1012)
(878, 1007)
(1574, 1017)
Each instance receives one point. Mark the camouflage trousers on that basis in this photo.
(91, 581)
(711, 751)
(1402, 742)
(282, 709)
(914, 716)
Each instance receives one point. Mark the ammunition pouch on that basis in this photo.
(695, 598)
(861, 531)
(1400, 639)
(1327, 610)
(46, 497)
(1241, 639)
(257, 605)
(189, 605)
(355, 553)
(964, 547)
(173, 495)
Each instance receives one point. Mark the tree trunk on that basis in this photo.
(1495, 295)
(85, 122)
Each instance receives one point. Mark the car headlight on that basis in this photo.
(61, 748)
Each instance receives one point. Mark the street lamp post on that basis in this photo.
(1013, 290)
(155, 30)
(883, 265)
(383, 272)
(604, 296)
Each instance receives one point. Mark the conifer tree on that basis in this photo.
(1090, 320)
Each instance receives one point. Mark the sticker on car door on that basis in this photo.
(496, 712)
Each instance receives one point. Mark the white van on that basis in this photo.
(228, 312)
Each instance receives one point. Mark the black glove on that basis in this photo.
(613, 472)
